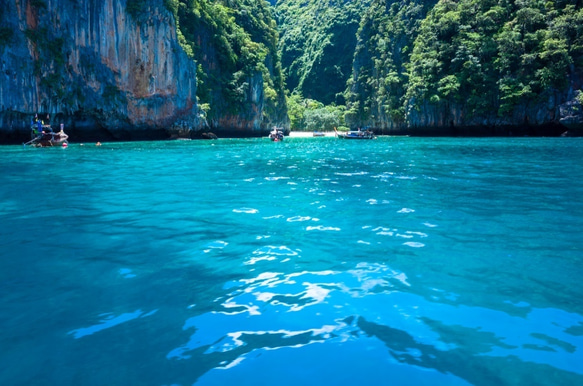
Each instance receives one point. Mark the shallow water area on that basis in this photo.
(309, 261)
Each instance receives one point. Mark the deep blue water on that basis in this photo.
(315, 261)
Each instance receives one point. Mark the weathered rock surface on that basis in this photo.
(105, 74)
(559, 113)
(91, 66)
(397, 90)
(542, 119)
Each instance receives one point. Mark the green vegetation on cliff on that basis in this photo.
(317, 45)
(235, 44)
(485, 59)
(385, 40)
(493, 55)
(391, 65)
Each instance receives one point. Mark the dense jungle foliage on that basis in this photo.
(484, 56)
(491, 55)
(233, 42)
(317, 44)
(385, 41)
(361, 62)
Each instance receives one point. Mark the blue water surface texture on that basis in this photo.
(314, 261)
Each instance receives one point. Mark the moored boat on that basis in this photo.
(46, 137)
(359, 134)
(276, 135)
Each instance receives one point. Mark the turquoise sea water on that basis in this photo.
(315, 261)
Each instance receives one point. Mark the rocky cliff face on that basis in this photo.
(559, 113)
(234, 44)
(251, 113)
(424, 67)
(101, 72)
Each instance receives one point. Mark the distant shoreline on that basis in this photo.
(309, 134)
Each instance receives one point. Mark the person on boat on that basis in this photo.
(33, 129)
(47, 129)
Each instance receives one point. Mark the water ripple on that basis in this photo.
(415, 260)
(270, 253)
(322, 228)
(373, 300)
(246, 210)
(109, 321)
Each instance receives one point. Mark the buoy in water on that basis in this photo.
(65, 144)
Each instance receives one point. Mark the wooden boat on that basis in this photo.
(360, 134)
(276, 135)
(47, 138)
(318, 134)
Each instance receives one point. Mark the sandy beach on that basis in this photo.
(309, 134)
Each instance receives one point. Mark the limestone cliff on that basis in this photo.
(234, 43)
(428, 67)
(559, 113)
(106, 73)
(91, 66)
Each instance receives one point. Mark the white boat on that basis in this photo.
(358, 134)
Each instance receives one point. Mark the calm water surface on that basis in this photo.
(316, 261)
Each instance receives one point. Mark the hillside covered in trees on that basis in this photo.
(493, 67)
(147, 69)
(316, 45)
(234, 43)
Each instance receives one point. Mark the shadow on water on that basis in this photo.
(242, 261)
(468, 358)
(303, 311)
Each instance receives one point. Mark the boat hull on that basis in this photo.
(276, 136)
(49, 140)
(366, 134)
(359, 135)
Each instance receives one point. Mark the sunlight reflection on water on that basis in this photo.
(420, 261)
(336, 307)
